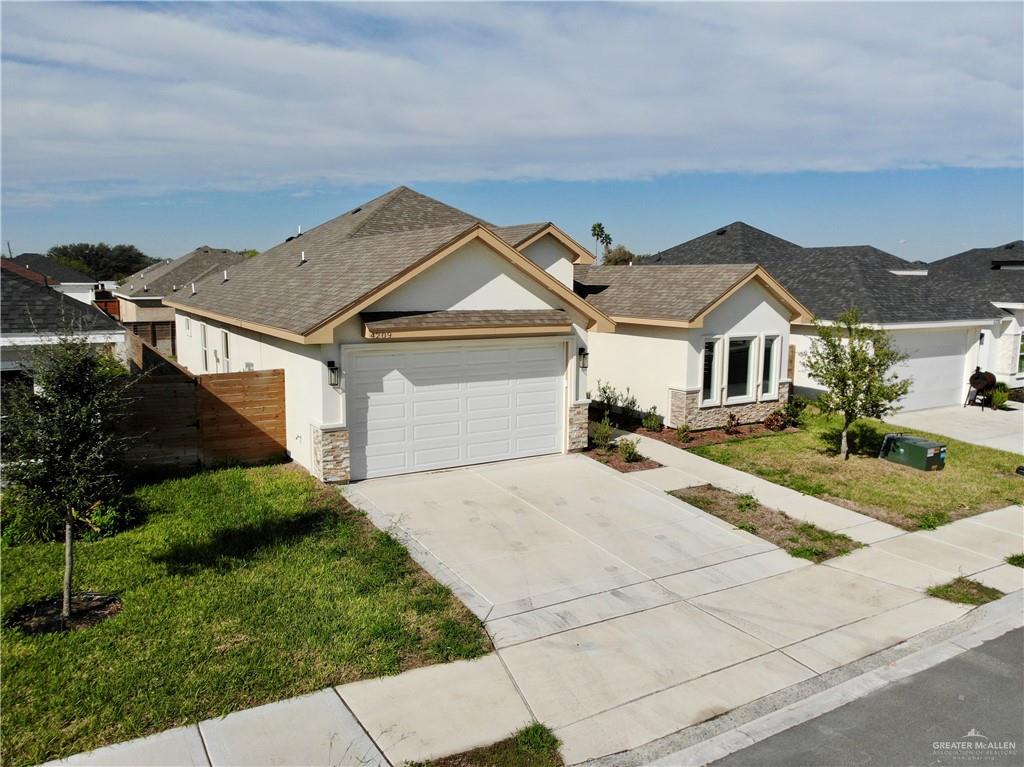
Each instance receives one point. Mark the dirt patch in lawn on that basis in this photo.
(532, 746)
(800, 539)
(612, 458)
(710, 436)
(965, 591)
(43, 617)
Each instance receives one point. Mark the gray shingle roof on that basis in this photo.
(54, 270)
(831, 279)
(970, 276)
(167, 277)
(28, 307)
(383, 321)
(346, 258)
(668, 292)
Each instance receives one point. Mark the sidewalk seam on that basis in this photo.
(361, 727)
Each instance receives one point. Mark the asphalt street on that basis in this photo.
(966, 711)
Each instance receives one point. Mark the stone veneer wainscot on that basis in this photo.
(578, 423)
(331, 454)
(685, 409)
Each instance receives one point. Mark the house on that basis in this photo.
(413, 336)
(941, 332)
(994, 277)
(697, 342)
(61, 278)
(140, 296)
(33, 314)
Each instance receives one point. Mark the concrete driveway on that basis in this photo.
(620, 613)
(1000, 429)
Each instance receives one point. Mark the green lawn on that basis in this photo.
(975, 479)
(242, 586)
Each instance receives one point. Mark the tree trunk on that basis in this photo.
(844, 446)
(69, 564)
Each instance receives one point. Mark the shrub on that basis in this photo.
(683, 433)
(629, 401)
(776, 420)
(999, 398)
(603, 434)
(607, 394)
(794, 409)
(732, 423)
(652, 421)
(629, 450)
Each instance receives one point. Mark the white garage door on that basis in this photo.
(937, 366)
(420, 410)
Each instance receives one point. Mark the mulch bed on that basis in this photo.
(710, 436)
(616, 461)
(43, 617)
(800, 539)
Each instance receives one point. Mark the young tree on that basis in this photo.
(601, 237)
(61, 440)
(854, 363)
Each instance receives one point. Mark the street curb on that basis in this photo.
(704, 743)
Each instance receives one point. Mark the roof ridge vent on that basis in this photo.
(720, 232)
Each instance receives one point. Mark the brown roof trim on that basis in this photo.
(583, 256)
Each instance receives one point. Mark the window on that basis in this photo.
(226, 366)
(709, 381)
(188, 327)
(206, 351)
(740, 367)
(1020, 355)
(770, 367)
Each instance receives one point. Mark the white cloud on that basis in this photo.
(109, 99)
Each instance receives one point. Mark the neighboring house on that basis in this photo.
(140, 296)
(33, 314)
(413, 336)
(991, 276)
(940, 332)
(696, 342)
(63, 279)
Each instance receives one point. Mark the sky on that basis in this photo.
(171, 125)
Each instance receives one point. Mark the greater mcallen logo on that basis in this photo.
(976, 743)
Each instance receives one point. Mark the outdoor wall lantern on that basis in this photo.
(333, 373)
(584, 357)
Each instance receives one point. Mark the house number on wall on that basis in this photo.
(380, 334)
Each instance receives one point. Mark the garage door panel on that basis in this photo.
(937, 366)
(459, 406)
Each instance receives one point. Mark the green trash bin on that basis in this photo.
(916, 452)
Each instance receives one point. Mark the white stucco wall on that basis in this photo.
(647, 360)
(553, 257)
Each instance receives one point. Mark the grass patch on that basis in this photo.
(975, 479)
(800, 539)
(243, 586)
(965, 591)
(533, 746)
(1017, 560)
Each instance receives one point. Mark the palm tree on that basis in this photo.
(601, 237)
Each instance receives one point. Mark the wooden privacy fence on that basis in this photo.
(184, 421)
